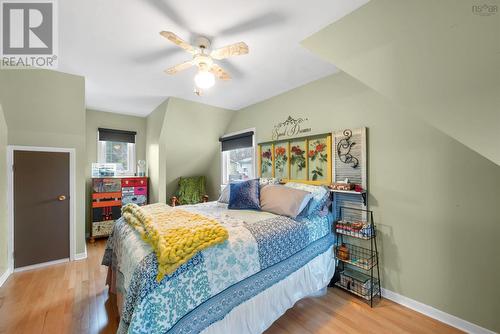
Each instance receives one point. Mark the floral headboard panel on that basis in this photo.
(305, 159)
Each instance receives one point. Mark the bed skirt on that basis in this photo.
(111, 283)
(258, 313)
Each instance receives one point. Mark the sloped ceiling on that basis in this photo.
(116, 45)
(439, 60)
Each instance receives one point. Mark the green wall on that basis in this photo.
(3, 194)
(185, 145)
(155, 152)
(192, 132)
(438, 60)
(96, 119)
(434, 198)
(47, 108)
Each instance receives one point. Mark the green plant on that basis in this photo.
(318, 171)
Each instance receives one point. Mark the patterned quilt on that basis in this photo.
(262, 250)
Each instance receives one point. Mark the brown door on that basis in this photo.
(41, 207)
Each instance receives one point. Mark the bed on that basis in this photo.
(243, 285)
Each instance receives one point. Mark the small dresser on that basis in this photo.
(108, 196)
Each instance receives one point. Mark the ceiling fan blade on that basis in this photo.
(263, 21)
(169, 12)
(179, 67)
(178, 41)
(231, 68)
(156, 55)
(219, 72)
(236, 49)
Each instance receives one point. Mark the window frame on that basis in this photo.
(223, 159)
(131, 152)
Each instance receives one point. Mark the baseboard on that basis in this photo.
(4, 276)
(434, 313)
(40, 265)
(81, 256)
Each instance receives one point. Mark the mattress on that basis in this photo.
(266, 256)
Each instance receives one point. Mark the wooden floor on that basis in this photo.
(72, 298)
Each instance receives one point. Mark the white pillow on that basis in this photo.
(224, 195)
(320, 196)
(264, 181)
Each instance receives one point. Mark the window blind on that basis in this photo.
(117, 135)
(235, 142)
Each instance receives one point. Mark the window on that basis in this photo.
(118, 147)
(238, 157)
(238, 165)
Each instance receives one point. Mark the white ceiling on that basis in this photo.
(116, 45)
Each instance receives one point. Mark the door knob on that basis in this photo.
(61, 198)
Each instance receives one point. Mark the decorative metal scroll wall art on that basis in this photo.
(304, 159)
(289, 128)
(344, 147)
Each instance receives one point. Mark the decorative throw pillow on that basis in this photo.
(319, 199)
(224, 195)
(264, 181)
(244, 195)
(283, 200)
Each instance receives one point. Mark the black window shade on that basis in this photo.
(117, 135)
(241, 140)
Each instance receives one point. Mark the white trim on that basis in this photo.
(41, 265)
(81, 256)
(131, 156)
(364, 162)
(434, 313)
(5, 276)
(10, 196)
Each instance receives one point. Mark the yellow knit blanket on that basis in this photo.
(174, 234)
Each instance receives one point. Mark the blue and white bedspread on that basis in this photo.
(262, 250)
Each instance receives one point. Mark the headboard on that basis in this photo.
(304, 159)
(320, 159)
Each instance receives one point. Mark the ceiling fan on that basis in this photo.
(204, 58)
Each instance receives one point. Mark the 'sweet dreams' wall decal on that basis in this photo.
(289, 128)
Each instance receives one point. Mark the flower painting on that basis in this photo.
(266, 161)
(306, 159)
(281, 161)
(298, 160)
(318, 159)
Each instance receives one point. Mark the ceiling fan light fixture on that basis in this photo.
(204, 79)
(203, 58)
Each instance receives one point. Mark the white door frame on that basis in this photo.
(10, 198)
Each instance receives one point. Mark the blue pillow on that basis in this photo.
(244, 195)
